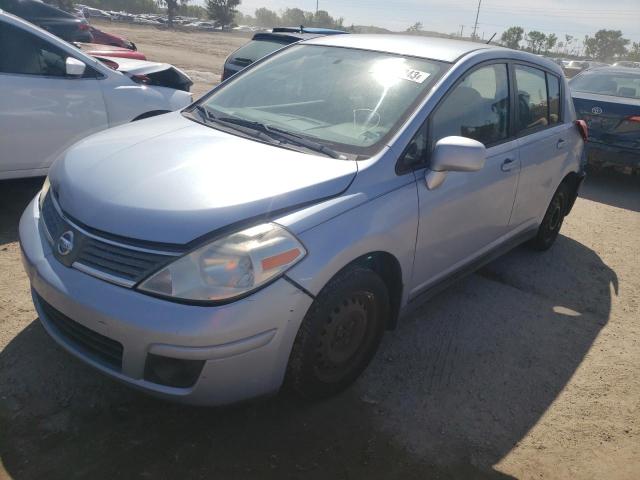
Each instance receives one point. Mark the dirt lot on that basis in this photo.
(200, 55)
(529, 368)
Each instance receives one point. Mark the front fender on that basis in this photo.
(387, 223)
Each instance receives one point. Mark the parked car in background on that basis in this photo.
(263, 44)
(627, 64)
(90, 12)
(99, 50)
(56, 21)
(52, 95)
(274, 230)
(576, 66)
(608, 99)
(110, 39)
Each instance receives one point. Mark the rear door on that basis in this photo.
(543, 137)
(42, 110)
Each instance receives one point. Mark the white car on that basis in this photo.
(52, 95)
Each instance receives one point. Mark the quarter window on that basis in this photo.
(553, 83)
(477, 108)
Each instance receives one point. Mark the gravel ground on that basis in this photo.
(529, 368)
(200, 55)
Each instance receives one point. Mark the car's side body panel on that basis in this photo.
(481, 220)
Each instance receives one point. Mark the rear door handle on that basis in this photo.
(560, 143)
(508, 164)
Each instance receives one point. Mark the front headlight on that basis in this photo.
(43, 193)
(228, 267)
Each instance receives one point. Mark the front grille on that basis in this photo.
(117, 263)
(121, 262)
(92, 344)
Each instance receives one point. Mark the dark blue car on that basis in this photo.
(262, 44)
(608, 99)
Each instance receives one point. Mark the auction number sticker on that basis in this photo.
(414, 75)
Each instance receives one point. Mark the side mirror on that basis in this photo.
(74, 67)
(454, 154)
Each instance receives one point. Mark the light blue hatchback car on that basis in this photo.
(272, 231)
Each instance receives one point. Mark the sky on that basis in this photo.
(573, 17)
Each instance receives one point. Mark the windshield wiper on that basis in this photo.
(281, 134)
(247, 128)
(272, 134)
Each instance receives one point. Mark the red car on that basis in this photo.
(98, 50)
(110, 39)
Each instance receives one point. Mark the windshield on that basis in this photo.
(348, 100)
(625, 85)
(255, 50)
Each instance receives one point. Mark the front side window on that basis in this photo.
(477, 108)
(533, 103)
(26, 54)
(349, 100)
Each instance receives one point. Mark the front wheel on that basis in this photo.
(339, 334)
(552, 221)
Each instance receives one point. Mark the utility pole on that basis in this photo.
(461, 30)
(317, 5)
(475, 26)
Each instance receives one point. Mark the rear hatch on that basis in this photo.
(612, 120)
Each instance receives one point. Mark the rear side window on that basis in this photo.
(26, 54)
(533, 103)
(553, 85)
(477, 108)
(255, 50)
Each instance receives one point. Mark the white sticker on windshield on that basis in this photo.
(414, 75)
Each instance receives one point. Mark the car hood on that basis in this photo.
(171, 180)
(158, 74)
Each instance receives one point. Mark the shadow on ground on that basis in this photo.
(612, 188)
(14, 197)
(451, 392)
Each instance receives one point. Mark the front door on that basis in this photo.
(470, 211)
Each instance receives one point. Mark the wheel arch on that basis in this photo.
(572, 180)
(387, 266)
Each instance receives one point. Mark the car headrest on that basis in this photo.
(627, 92)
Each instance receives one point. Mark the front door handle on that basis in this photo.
(560, 143)
(508, 164)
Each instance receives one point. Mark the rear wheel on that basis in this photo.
(339, 335)
(552, 221)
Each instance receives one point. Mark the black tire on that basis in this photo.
(552, 221)
(339, 334)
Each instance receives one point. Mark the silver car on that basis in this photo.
(271, 232)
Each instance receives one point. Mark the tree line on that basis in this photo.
(223, 12)
(605, 45)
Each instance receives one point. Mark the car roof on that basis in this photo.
(612, 70)
(434, 48)
(285, 36)
(321, 31)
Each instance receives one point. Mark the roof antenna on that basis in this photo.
(489, 41)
